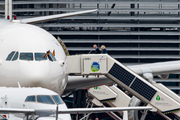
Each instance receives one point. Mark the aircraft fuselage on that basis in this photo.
(22, 50)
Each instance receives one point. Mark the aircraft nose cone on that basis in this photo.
(38, 76)
(34, 73)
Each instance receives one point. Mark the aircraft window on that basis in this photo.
(26, 56)
(40, 56)
(45, 99)
(57, 99)
(30, 99)
(10, 56)
(15, 56)
(52, 56)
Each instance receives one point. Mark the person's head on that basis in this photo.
(103, 47)
(95, 46)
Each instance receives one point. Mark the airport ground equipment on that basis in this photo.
(103, 96)
(103, 64)
(110, 95)
(100, 96)
(96, 102)
(102, 93)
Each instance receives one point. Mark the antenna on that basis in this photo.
(10, 10)
(6, 9)
(19, 85)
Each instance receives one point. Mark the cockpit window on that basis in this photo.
(52, 56)
(9, 57)
(15, 56)
(57, 99)
(44, 99)
(30, 99)
(26, 56)
(40, 56)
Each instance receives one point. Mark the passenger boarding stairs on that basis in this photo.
(111, 96)
(159, 97)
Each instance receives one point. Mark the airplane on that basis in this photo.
(23, 47)
(43, 104)
(32, 98)
(22, 50)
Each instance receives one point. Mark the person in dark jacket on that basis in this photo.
(97, 51)
(103, 50)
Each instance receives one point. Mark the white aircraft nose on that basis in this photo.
(39, 75)
(35, 72)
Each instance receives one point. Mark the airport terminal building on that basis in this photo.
(134, 31)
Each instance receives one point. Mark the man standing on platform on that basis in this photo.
(97, 51)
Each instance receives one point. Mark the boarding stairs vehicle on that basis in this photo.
(164, 101)
(105, 96)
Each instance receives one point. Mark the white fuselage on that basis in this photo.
(24, 38)
(18, 98)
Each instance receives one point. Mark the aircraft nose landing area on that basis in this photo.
(34, 72)
(99, 64)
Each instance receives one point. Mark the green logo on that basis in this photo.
(95, 67)
(158, 98)
(95, 88)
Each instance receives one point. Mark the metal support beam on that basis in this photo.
(79, 100)
(144, 115)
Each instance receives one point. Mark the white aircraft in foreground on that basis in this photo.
(43, 104)
(34, 99)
